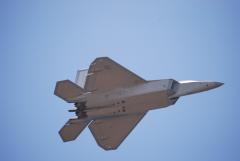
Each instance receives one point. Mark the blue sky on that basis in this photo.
(44, 41)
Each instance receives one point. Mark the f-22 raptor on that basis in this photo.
(111, 100)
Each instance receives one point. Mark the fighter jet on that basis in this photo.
(111, 100)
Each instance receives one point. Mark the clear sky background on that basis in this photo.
(44, 41)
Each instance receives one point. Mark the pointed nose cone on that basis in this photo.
(218, 84)
(186, 88)
(213, 85)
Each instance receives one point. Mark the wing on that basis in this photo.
(72, 129)
(109, 133)
(105, 74)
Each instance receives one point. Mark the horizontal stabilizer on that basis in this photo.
(72, 129)
(67, 90)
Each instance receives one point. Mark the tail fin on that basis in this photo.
(67, 90)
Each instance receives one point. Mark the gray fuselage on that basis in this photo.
(129, 100)
(111, 100)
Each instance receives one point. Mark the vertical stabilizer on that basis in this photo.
(81, 77)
